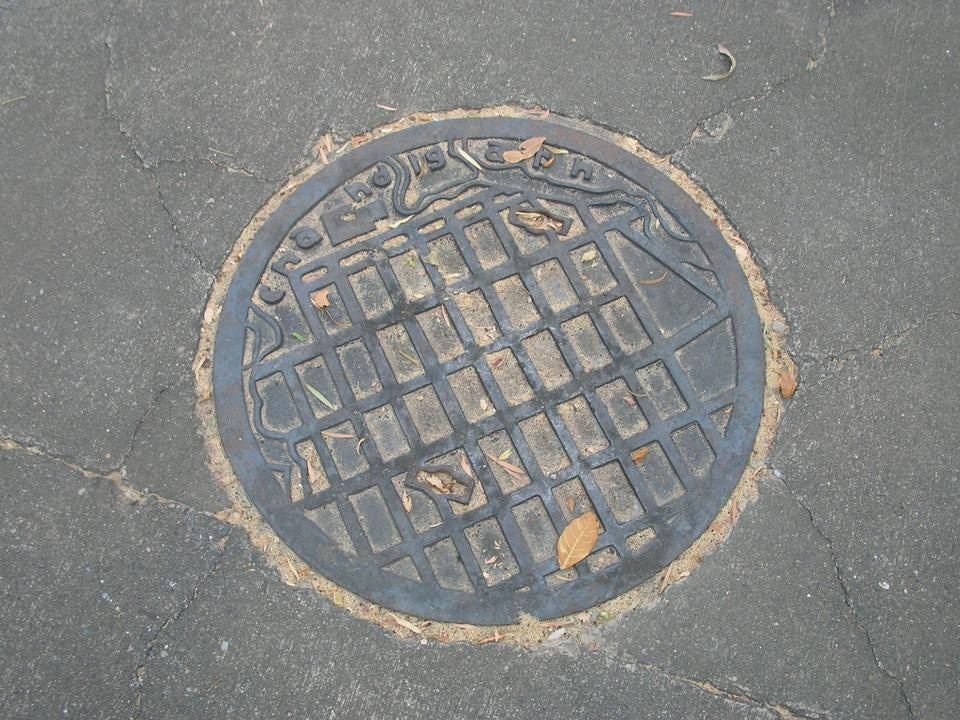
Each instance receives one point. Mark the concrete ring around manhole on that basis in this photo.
(489, 368)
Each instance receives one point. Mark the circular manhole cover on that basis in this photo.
(431, 360)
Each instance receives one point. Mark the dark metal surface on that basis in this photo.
(626, 323)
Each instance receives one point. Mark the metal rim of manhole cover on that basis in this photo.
(453, 340)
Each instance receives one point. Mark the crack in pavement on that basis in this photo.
(179, 242)
(740, 696)
(140, 671)
(845, 591)
(138, 425)
(833, 362)
(148, 165)
(116, 477)
(703, 133)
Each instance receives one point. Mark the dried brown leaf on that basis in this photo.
(321, 298)
(496, 637)
(513, 156)
(465, 466)
(407, 502)
(788, 383)
(733, 65)
(337, 435)
(531, 146)
(540, 221)
(577, 540)
(681, 13)
(436, 482)
(548, 162)
(497, 362)
(639, 455)
(571, 504)
(512, 469)
(528, 215)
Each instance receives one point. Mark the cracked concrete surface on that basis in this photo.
(133, 158)
(140, 671)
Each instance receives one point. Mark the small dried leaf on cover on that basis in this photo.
(639, 455)
(531, 146)
(577, 540)
(321, 298)
(513, 156)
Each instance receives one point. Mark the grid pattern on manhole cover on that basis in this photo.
(431, 360)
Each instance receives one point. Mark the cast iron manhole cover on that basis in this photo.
(506, 339)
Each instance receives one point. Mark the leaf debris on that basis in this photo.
(788, 383)
(468, 157)
(526, 150)
(733, 65)
(320, 396)
(408, 357)
(513, 470)
(390, 108)
(337, 435)
(405, 623)
(655, 281)
(540, 221)
(531, 146)
(577, 540)
(298, 336)
(639, 455)
(681, 13)
(444, 485)
(397, 223)
(313, 474)
(321, 298)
